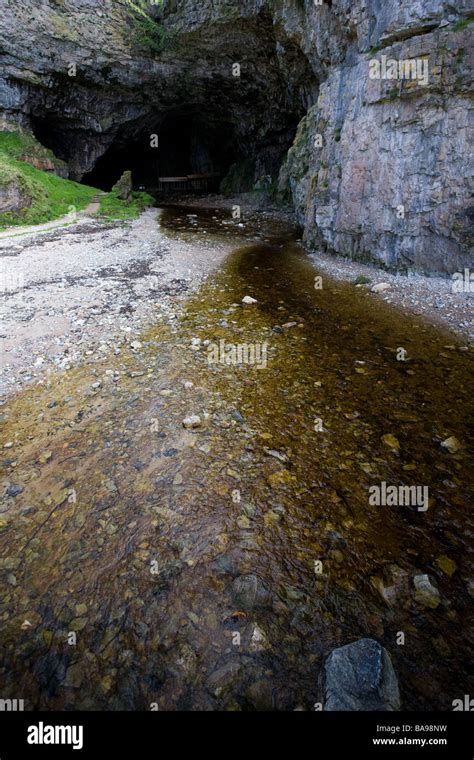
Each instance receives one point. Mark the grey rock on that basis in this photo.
(123, 188)
(14, 490)
(360, 676)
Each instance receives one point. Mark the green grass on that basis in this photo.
(23, 145)
(46, 196)
(462, 23)
(112, 207)
(147, 34)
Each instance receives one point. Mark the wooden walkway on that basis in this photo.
(189, 182)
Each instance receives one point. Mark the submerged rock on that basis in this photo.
(451, 444)
(260, 695)
(249, 591)
(425, 593)
(360, 676)
(14, 490)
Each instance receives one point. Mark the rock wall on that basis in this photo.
(379, 168)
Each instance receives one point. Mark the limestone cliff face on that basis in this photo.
(390, 177)
(379, 168)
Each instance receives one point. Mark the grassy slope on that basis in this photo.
(52, 196)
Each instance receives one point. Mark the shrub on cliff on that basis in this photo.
(147, 33)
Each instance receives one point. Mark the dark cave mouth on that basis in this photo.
(192, 153)
(216, 125)
(178, 148)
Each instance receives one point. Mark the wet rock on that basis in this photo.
(394, 586)
(223, 677)
(250, 510)
(14, 490)
(74, 676)
(260, 695)
(446, 565)
(425, 593)
(193, 421)
(276, 454)
(224, 565)
(258, 640)
(249, 591)
(451, 445)
(391, 442)
(360, 676)
(280, 478)
(187, 660)
(270, 518)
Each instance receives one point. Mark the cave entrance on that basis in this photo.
(183, 153)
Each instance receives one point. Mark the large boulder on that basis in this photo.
(360, 676)
(123, 188)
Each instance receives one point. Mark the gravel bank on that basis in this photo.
(72, 292)
(429, 297)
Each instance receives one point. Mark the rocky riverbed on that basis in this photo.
(90, 287)
(186, 521)
(83, 290)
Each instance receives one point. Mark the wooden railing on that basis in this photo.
(189, 182)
